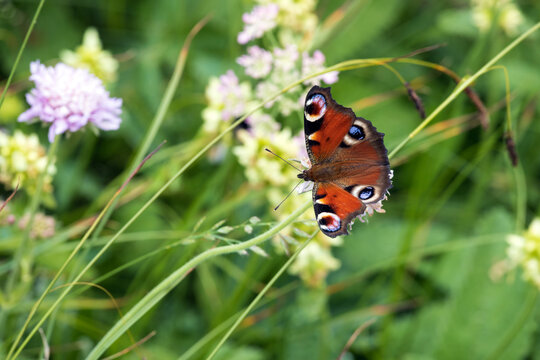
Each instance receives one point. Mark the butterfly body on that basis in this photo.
(349, 163)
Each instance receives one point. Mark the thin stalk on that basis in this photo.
(23, 253)
(466, 82)
(260, 295)
(202, 342)
(163, 107)
(21, 50)
(169, 92)
(164, 287)
(35, 307)
(526, 312)
(124, 228)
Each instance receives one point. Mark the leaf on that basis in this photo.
(476, 314)
(254, 220)
(257, 250)
(218, 224)
(225, 229)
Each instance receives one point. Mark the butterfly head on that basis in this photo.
(304, 175)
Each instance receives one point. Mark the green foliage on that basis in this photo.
(426, 272)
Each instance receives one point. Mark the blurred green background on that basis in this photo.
(426, 271)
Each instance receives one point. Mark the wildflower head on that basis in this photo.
(260, 167)
(69, 99)
(257, 62)
(257, 22)
(314, 263)
(42, 226)
(524, 251)
(227, 100)
(285, 59)
(22, 159)
(91, 56)
(315, 63)
(504, 13)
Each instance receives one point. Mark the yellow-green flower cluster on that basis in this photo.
(22, 160)
(267, 171)
(524, 251)
(91, 56)
(228, 99)
(296, 18)
(261, 168)
(503, 13)
(314, 263)
(11, 108)
(43, 226)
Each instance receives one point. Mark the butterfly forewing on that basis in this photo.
(324, 136)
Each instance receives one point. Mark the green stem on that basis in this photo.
(164, 287)
(464, 84)
(23, 254)
(202, 342)
(524, 316)
(121, 231)
(521, 197)
(19, 54)
(259, 296)
(158, 119)
(169, 93)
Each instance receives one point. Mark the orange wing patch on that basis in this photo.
(335, 208)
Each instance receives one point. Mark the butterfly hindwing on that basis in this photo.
(335, 208)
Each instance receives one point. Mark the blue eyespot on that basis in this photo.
(366, 193)
(356, 132)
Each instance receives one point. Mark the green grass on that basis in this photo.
(155, 238)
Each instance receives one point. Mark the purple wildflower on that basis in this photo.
(257, 62)
(70, 98)
(234, 96)
(285, 59)
(314, 64)
(257, 22)
(227, 100)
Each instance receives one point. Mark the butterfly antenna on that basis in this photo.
(273, 153)
(289, 194)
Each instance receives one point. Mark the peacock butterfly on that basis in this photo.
(349, 163)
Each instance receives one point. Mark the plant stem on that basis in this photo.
(260, 295)
(464, 84)
(19, 54)
(23, 254)
(524, 316)
(164, 287)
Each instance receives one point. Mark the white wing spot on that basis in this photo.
(317, 110)
(329, 221)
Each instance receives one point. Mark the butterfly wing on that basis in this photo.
(350, 164)
(335, 208)
(325, 124)
(362, 163)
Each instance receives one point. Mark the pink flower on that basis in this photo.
(70, 98)
(234, 96)
(257, 22)
(314, 64)
(285, 59)
(227, 100)
(257, 63)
